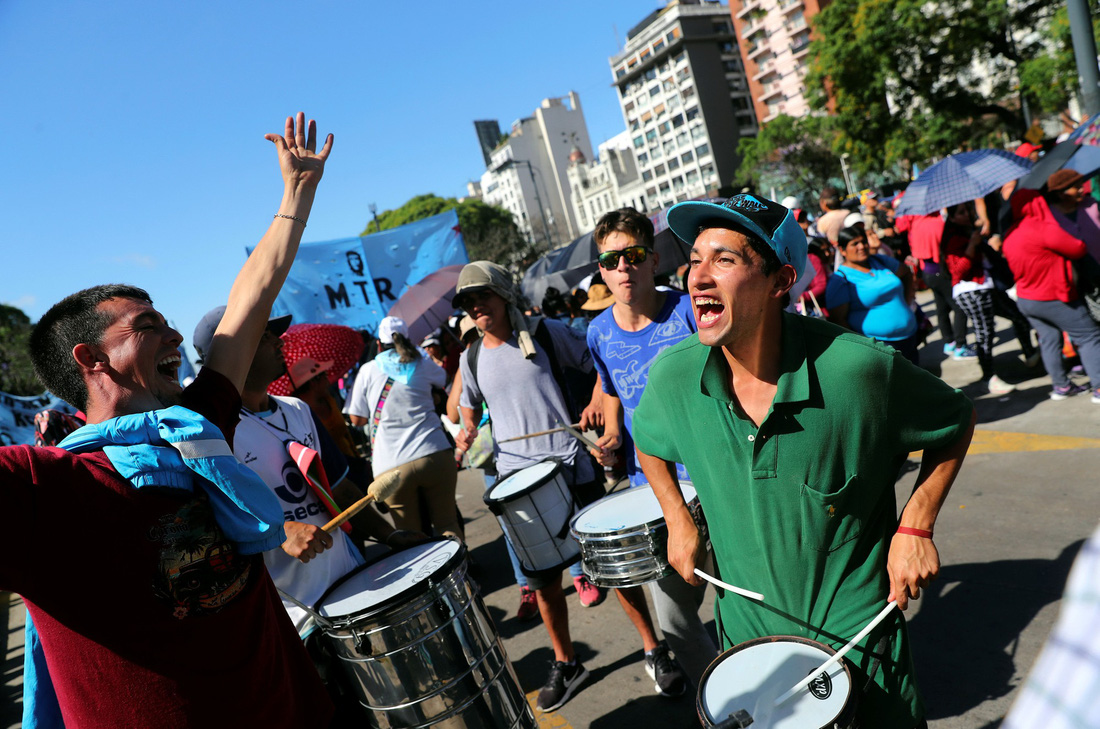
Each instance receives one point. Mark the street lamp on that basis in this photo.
(531, 169)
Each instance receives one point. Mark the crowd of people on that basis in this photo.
(779, 375)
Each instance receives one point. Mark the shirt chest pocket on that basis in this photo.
(831, 520)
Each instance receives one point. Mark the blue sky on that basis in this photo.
(137, 151)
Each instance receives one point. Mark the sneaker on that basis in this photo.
(668, 677)
(528, 604)
(1096, 396)
(997, 386)
(561, 685)
(1077, 370)
(964, 352)
(949, 348)
(1061, 393)
(1033, 360)
(589, 594)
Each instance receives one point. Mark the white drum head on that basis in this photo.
(633, 507)
(522, 480)
(387, 578)
(754, 677)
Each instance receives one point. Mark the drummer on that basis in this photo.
(794, 432)
(625, 340)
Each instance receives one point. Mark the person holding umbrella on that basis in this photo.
(1040, 253)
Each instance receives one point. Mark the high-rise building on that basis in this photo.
(685, 99)
(488, 136)
(528, 173)
(775, 48)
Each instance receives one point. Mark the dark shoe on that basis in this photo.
(668, 677)
(589, 594)
(561, 685)
(1061, 393)
(528, 604)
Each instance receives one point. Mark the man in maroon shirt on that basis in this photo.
(166, 624)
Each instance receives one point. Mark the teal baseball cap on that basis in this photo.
(757, 217)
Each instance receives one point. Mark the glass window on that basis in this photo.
(673, 163)
(651, 135)
(702, 150)
(678, 120)
(659, 44)
(655, 152)
(663, 187)
(692, 176)
(708, 172)
(683, 74)
(639, 142)
(687, 157)
(687, 93)
(692, 113)
(655, 90)
(647, 176)
(659, 170)
(674, 102)
(635, 125)
(670, 147)
(663, 128)
(678, 183)
(697, 132)
(650, 74)
(643, 158)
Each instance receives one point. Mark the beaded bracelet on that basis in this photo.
(291, 217)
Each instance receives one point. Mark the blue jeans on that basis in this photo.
(1050, 319)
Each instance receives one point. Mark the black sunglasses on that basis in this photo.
(633, 255)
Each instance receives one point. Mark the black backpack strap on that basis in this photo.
(471, 358)
(546, 342)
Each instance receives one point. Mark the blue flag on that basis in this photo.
(355, 281)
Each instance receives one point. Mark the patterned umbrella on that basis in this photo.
(323, 343)
(959, 178)
(1088, 132)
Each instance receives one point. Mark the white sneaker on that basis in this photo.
(997, 386)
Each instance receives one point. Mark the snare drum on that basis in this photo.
(752, 675)
(418, 644)
(623, 537)
(534, 506)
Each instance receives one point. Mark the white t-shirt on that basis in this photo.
(259, 443)
(408, 428)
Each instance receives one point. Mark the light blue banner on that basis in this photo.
(17, 416)
(355, 281)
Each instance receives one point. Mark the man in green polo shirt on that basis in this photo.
(794, 431)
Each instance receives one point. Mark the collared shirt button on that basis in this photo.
(751, 437)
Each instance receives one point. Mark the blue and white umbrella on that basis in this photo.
(959, 178)
(1079, 152)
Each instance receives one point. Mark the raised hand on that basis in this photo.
(299, 161)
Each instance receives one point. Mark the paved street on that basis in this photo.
(1026, 499)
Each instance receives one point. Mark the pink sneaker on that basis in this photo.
(528, 604)
(589, 594)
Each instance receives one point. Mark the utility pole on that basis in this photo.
(1084, 49)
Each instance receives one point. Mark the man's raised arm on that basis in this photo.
(263, 274)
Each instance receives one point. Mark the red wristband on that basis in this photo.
(915, 532)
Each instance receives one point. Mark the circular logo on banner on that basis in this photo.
(821, 687)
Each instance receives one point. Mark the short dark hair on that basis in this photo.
(624, 220)
(849, 234)
(74, 320)
(769, 259)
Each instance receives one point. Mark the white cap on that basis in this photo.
(852, 219)
(389, 326)
(790, 202)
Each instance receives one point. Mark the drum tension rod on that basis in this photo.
(363, 646)
(737, 720)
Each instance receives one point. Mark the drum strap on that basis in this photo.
(378, 410)
(880, 650)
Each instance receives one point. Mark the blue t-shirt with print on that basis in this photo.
(623, 360)
(876, 301)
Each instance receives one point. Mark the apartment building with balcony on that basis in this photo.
(609, 182)
(685, 99)
(774, 40)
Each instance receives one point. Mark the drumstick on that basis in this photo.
(726, 586)
(532, 435)
(838, 655)
(571, 430)
(379, 490)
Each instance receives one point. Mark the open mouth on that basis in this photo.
(169, 367)
(707, 309)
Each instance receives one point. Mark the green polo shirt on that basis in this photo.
(802, 508)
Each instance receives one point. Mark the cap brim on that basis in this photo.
(459, 298)
(278, 325)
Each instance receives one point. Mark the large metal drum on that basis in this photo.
(420, 649)
(534, 506)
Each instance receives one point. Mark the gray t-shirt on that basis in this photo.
(523, 397)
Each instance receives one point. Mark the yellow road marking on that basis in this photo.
(998, 441)
(548, 718)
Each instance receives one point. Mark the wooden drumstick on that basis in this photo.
(534, 435)
(379, 490)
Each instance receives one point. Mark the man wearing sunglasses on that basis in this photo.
(625, 340)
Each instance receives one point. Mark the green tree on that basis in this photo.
(1049, 79)
(489, 231)
(910, 80)
(16, 372)
(791, 154)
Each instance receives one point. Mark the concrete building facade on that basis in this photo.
(609, 182)
(528, 172)
(775, 49)
(685, 100)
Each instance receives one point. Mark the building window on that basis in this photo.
(697, 132)
(673, 164)
(650, 74)
(672, 34)
(678, 183)
(635, 125)
(645, 55)
(683, 74)
(663, 187)
(721, 27)
(643, 158)
(659, 170)
(659, 45)
(620, 72)
(647, 176)
(681, 56)
(639, 142)
(651, 135)
(655, 152)
(687, 93)
(692, 176)
(740, 103)
(663, 127)
(728, 47)
(669, 147)
(692, 113)
(702, 150)
(646, 117)
(687, 157)
(708, 172)
(654, 91)
(674, 101)
(678, 120)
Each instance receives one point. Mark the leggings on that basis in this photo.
(940, 284)
(435, 476)
(978, 305)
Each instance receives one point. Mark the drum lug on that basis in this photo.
(362, 645)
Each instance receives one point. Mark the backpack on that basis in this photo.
(575, 386)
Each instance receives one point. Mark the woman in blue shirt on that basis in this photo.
(872, 294)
